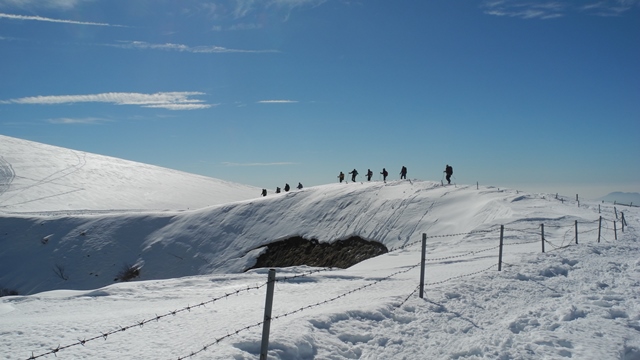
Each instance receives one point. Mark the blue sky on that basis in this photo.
(532, 95)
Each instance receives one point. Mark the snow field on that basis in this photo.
(579, 301)
(194, 300)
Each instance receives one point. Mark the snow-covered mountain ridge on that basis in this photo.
(92, 245)
(578, 301)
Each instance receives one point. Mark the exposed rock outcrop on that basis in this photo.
(298, 251)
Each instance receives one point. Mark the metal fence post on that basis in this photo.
(422, 264)
(500, 255)
(268, 305)
(542, 236)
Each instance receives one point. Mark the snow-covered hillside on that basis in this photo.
(579, 299)
(36, 177)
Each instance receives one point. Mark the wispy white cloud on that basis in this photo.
(244, 8)
(182, 106)
(57, 4)
(525, 10)
(70, 121)
(184, 48)
(258, 164)
(546, 9)
(290, 4)
(277, 101)
(164, 100)
(236, 15)
(610, 7)
(63, 21)
(244, 26)
(238, 27)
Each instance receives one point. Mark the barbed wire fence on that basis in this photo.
(156, 318)
(530, 231)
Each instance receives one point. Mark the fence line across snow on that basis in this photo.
(527, 231)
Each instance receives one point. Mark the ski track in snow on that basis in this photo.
(36, 178)
(6, 175)
(51, 178)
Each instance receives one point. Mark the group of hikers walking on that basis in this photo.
(384, 173)
(403, 175)
(286, 189)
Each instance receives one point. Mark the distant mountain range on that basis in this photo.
(622, 198)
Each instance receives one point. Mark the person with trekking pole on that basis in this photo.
(449, 171)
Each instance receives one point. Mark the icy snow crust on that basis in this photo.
(574, 301)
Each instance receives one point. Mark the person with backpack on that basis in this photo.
(286, 187)
(299, 186)
(264, 192)
(403, 173)
(449, 171)
(341, 176)
(353, 173)
(369, 174)
(384, 174)
(277, 190)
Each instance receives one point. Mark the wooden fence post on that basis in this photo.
(622, 220)
(422, 264)
(599, 227)
(615, 230)
(268, 305)
(576, 232)
(500, 255)
(542, 236)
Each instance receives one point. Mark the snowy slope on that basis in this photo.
(92, 248)
(36, 177)
(194, 301)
